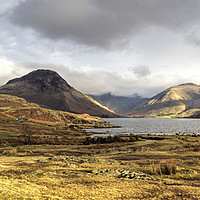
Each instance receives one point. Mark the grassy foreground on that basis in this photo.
(158, 168)
(45, 154)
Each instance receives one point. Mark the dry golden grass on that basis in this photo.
(24, 178)
(12, 107)
(27, 123)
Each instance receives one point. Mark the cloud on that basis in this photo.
(98, 81)
(193, 37)
(102, 23)
(10, 70)
(140, 71)
(53, 31)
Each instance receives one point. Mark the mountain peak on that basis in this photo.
(44, 79)
(176, 101)
(48, 89)
(185, 84)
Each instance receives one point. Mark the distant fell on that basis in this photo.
(48, 89)
(178, 101)
(119, 104)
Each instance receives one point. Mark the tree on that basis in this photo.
(28, 133)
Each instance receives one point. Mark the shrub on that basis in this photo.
(197, 148)
(103, 140)
(165, 168)
(11, 152)
(168, 168)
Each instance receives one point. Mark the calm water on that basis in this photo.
(152, 126)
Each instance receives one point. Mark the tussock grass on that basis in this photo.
(29, 179)
(33, 180)
(164, 168)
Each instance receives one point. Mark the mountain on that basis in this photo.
(48, 89)
(178, 101)
(119, 104)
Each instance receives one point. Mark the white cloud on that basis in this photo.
(98, 81)
(9, 70)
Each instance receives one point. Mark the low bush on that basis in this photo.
(11, 152)
(164, 168)
(110, 139)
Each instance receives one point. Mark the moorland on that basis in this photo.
(47, 154)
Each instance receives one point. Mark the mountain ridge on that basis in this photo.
(177, 101)
(120, 104)
(48, 89)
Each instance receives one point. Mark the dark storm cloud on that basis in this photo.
(101, 23)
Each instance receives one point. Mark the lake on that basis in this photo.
(150, 126)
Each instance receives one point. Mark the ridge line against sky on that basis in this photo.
(122, 47)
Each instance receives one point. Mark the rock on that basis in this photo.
(42, 160)
(48, 154)
(134, 175)
(175, 148)
(74, 159)
(171, 183)
(6, 152)
(142, 149)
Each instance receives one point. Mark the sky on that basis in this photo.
(124, 47)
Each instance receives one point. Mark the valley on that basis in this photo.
(46, 154)
(99, 100)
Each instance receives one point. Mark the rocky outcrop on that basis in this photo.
(79, 160)
(73, 163)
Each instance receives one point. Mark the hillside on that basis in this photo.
(27, 123)
(15, 108)
(119, 104)
(48, 89)
(178, 101)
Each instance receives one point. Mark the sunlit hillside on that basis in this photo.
(13, 107)
(23, 122)
(178, 101)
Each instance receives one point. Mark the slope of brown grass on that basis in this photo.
(22, 122)
(91, 171)
(25, 178)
